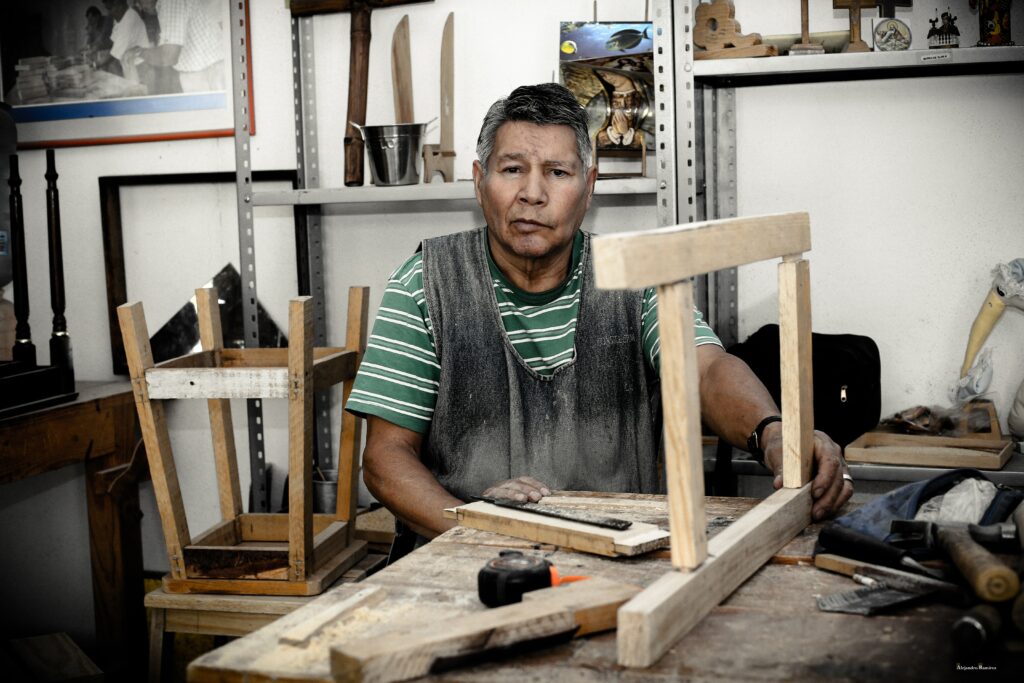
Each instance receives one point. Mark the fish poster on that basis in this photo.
(609, 67)
(591, 40)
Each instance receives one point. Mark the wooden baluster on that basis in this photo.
(24, 350)
(60, 342)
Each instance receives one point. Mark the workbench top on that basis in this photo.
(769, 629)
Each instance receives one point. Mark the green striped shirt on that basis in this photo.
(399, 374)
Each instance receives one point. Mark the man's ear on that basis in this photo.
(478, 178)
(591, 179)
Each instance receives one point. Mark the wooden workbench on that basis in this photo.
(769, 629)
(97, 429)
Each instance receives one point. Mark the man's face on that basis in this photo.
(535, 192)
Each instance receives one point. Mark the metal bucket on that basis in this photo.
(394, 152)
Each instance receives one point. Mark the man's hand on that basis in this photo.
(829, 488)
(521, 489)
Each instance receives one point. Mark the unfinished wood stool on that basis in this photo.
(708, 571)
(293, 553)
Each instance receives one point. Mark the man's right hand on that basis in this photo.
(521, 489)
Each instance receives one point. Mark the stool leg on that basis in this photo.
(161, 646)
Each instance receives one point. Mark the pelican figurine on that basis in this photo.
(1007, 291)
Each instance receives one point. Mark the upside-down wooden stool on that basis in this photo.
(293, 553)
(708, 571)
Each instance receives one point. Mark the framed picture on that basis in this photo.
(191, 268)
(92, 72)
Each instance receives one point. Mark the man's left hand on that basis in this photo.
(831, 486)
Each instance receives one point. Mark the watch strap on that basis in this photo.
(755, 442)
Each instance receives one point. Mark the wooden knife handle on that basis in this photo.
(359, 64)
(987, 575)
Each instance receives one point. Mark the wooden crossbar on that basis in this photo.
(668, 258)
(631, 260)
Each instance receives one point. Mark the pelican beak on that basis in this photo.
(986, 319)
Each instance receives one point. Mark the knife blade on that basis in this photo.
(401, 72)
(559, 513)
(440, 158)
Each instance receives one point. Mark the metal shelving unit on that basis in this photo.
(695, 158)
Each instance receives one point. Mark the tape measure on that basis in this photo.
(504, 579)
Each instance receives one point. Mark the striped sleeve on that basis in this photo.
(397, 379)
(703, 334)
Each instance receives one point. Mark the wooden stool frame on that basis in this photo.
(708, 572)
(297, 553)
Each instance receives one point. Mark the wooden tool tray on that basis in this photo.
(917, 450)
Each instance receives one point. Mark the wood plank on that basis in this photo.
(55, 657)
(633, 260)
(795, 372)
(351, 438)
(684, 455)
(329, 543)
(667, 609)
(244, 381)
(300, 437)
(221, 427)
(313, 585)
(636, 540)
(37, 443)
(198, 359)
(270, 357)
(871, 439)
(236, 562)
(217, 383)
(215, 623)
(331, 611)
(273, 526)
(411, 652)
(222, 533)
(271, 605)
(153, 423)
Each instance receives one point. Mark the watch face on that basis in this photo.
(891, 35)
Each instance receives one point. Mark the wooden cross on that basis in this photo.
(855, 6)
(805, 46)
(887, 8)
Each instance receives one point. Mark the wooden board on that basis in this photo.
(633, 260)
(672, 605)
(576, 609)
(638, 539)
(929, 451)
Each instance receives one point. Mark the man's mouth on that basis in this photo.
(527, 224)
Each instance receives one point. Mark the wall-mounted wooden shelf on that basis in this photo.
(859, 66)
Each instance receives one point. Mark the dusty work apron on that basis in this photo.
(592, 425)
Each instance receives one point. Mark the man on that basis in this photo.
(497, 368)
(129, 32)
(191, 41)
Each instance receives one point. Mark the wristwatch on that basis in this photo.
(755, 440)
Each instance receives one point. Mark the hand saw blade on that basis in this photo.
(448, 85)
(401, 72)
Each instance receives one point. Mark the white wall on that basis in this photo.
(901, 252)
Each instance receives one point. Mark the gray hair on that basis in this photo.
(546, 104)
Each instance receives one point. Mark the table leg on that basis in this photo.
(115, 547)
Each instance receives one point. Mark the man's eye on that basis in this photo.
(511, 169)
(559, 173)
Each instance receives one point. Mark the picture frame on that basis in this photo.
(76, 75)
(114, 231)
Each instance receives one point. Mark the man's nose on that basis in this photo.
(533, 189)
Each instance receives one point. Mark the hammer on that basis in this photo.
(358, 68)
(990, 578)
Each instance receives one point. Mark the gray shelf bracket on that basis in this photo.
(246, 243)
